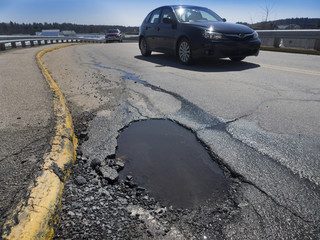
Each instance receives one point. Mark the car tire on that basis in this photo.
(184, 51)
(237, 59)
(144, 49)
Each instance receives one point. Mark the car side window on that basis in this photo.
(155, 16)
(147, 19)
(167, 13)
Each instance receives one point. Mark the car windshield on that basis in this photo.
(113, 31)
(196, 14)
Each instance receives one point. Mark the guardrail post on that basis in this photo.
(45, 41)
(39, 42)
(276, 42)
(317, 45)
(23, 44)
(32, 43)
(2, 46)
(13, 45)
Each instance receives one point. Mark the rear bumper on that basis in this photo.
(224, 49)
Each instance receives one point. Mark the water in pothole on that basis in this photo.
(169, 161)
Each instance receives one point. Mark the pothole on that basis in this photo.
(170, 162)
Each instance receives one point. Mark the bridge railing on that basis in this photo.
(301, 39)
(8, 42)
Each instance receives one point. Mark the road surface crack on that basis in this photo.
(239, 118)
(274, 200)
(25, 149)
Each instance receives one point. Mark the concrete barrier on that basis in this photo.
(296, 39)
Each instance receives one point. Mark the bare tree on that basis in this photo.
(267, 10)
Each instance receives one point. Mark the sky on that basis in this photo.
(132, 13)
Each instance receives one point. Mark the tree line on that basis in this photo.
(300, 23)
(32, 28)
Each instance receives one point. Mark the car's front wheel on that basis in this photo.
(184, 51)
(144, 49)
(237, 59)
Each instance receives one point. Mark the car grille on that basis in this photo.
(239, 37)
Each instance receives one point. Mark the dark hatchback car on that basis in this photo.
(191, 32)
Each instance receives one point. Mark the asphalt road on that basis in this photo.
(259, 118)
(26, 125)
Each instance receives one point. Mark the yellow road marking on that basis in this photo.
(288, 69)
(35, 217)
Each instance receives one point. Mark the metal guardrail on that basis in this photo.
(303, 39)
(9, 42)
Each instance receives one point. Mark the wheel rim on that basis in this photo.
(184, 51)
(143, 46)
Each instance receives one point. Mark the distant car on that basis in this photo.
(191, 32)
(113, 35)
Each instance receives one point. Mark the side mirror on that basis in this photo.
(224, 20)
(167, 21)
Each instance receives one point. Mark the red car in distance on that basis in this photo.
(114, 35)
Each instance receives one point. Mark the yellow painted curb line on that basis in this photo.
(35, 217)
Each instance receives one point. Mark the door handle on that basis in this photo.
(158, 29)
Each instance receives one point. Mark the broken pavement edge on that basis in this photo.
(35, 217)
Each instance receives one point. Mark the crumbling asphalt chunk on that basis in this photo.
(95, 163)
(109, 173)
(80, 180)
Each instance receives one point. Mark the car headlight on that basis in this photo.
(212, 35)
(255, 35)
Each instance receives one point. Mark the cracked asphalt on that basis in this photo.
(258, 119)
(26, 125)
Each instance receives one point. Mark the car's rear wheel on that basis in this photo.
(237, 59)
(144, 49)
(184, 51)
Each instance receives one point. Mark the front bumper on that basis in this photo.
(113, 38)
(224, 49)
